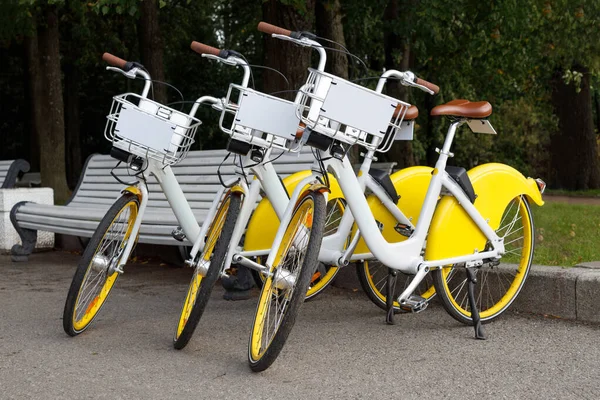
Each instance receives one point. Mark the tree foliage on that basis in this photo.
(507, 52)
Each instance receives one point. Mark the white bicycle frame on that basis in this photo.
(168, 183)
(353, 187)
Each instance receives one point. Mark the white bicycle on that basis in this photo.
(480, 218)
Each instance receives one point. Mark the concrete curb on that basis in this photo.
(566, 293)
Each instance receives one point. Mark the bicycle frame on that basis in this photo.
(412, 261)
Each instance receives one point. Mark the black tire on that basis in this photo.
(292, 297)
(372, 277)
(97, 256)
(218, 252)
(496, 288)
(324, 274)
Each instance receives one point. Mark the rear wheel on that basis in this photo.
(497, 286)
(372, 276)
(208, 269)
(284, 289)
(96, 272)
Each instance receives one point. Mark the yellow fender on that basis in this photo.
(411, 184)
(264, 223)
(453, 233)
(133, 190)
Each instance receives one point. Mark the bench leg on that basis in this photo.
(20, 252)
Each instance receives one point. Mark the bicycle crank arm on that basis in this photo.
(248, 263)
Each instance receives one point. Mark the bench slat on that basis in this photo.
(97, 191)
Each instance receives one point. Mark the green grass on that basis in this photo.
(574, 193)
(566, 234)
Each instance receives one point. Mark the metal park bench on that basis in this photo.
(10, 171)
(97, 190)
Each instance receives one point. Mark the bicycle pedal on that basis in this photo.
(404, 230)
(414, 304)
(178, 234)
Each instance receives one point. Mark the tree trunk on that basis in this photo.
(34, 83)
(574, 156)
(401, 151)
(52, 142)
(73, 142)
(151, 47)
(329, 25)
(289, 59)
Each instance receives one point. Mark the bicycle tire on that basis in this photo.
(263, 348)
(325, 274)
(200, 288)
(492, 301)
(96, 264)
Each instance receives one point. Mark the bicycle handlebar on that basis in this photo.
(116, 61)
(431, 86)
(202, 48)
(272, 29)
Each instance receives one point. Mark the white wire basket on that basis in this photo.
(349, 112)
(259, 119)
(149, 129)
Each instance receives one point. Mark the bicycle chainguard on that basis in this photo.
(472, 280)
(389, 299)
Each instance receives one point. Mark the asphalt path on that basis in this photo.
(340, 347)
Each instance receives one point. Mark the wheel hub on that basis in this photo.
(284, 279)
(100, 263)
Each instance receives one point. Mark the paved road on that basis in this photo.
(340, 347)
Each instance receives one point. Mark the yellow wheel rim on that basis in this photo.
(87, 306)
(522, 259)
(211, 239)
(302, 218)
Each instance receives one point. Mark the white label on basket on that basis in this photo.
(267, 114)
(358, 107)
(144, 129)
(405, 132)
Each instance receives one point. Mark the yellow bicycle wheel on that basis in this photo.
(372, 276)
(497, 285)
(284, 290)
(324, 274)
(210, 262)
(96, 273)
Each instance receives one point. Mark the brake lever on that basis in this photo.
(131, 74)
(219, 59)
(423, 88)
(300, 42)
(408, 79)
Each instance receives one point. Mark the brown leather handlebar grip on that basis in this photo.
(201, 48)
(114, 60)
(271, 29)
(431, 86)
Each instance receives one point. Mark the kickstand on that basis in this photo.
(389, 300)
(479, 333)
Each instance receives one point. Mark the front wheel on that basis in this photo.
(284, 290)
(324, 274)
(96, 272)
(497, 286)
(210, 262)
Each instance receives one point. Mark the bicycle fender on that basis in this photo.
(411, 184)
(264, 223)
(237, 189)
(453, 233)
(133, 190)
